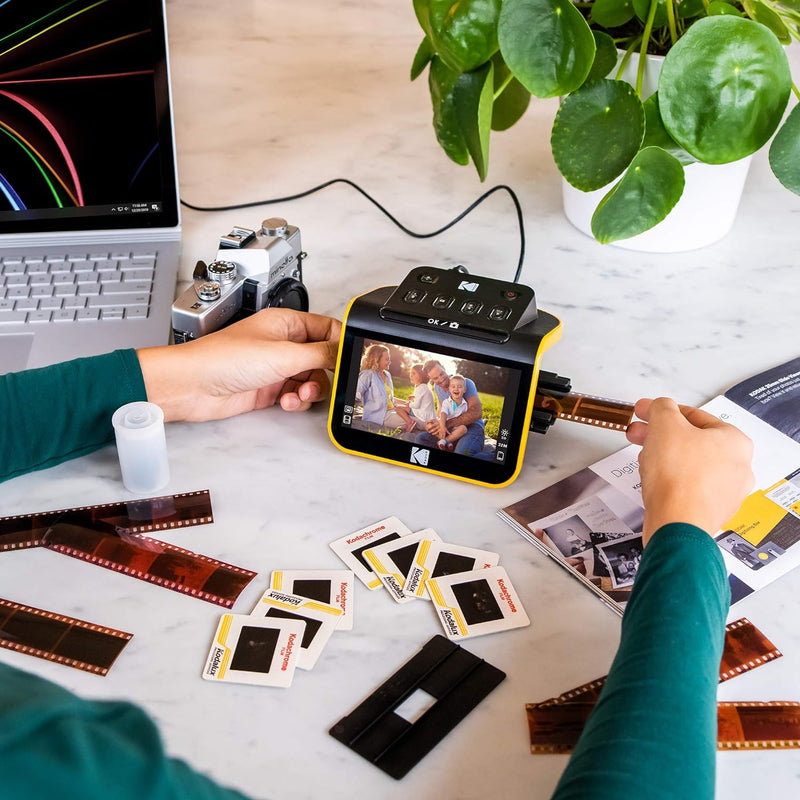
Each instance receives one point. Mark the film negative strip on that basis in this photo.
(110, 536)
(127, 517)
(745, 648)
(740, 726)
(758, 726)
(56, 637)
(154, 561)
(555, 724)
(586, 409)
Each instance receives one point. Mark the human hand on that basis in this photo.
(694, 467)
(275, 355)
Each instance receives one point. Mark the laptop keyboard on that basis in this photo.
(69, 287)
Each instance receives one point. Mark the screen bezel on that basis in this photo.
(396, 451)
(168, 217)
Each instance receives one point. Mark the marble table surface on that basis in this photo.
(271, 100)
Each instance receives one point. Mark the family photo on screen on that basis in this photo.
(431, 399)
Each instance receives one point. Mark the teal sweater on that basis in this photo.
(652, 733)
(64, 411)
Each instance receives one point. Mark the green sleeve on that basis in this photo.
(653, 732)
(55, 745)
(64, 411)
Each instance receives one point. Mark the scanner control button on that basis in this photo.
(414, 296)
(471, 307)
(442, 301)
(499, 313)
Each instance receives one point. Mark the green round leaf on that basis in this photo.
(605, 56)
(690, 8)
(612, 13)
(655, 134)
(463, 33)
(646, 193)
(596, 133)
(723, 88)
(441, 81)
(547, 44)
(422, 58)
(784, 152)
(473, 95)
(642, 9)
(718, 7)
(766, 16)
(512, 102)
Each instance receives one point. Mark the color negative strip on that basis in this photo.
(758, 726)
(745, 648)
(110, 536)
(587, 409)
(154, 561)
(556, 724)
(131, 517)
(740, 726)
(59, 638)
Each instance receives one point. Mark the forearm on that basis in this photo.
(54, 744)
(64, 411)
(657, 712)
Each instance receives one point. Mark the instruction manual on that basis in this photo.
(591, 522)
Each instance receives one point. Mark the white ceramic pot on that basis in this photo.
(703, 215)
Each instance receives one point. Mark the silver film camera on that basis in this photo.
(252, 270)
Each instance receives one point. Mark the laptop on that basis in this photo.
(89, 216)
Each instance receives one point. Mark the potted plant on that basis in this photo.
(722, 91)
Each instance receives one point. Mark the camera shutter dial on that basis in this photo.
(275, 226)
(222, 272)
(208, 291)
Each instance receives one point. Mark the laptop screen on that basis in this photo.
(85, 128)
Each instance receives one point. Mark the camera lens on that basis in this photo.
(289, 293)
(222, 272)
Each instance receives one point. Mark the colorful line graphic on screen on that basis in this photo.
(78, 120)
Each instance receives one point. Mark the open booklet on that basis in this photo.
(591, 522)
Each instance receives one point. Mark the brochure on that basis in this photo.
(591, 522)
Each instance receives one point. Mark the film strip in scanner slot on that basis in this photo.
(556, 724)
(110, 536)
(554, 399)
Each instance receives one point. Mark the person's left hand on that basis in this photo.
(275, 355)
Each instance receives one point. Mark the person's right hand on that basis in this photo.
(274, 356)
(694, 467)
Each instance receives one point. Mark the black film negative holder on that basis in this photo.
(458, 679)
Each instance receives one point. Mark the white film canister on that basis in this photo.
(141, 446)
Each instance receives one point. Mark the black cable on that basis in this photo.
(397, 222)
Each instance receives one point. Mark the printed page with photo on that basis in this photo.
(591, 522)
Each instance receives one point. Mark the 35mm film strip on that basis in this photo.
(110, 536)
(127, 517)
(556, 724)
(57, 637)
(586, 409)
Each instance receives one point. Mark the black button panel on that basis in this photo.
(462, 303)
